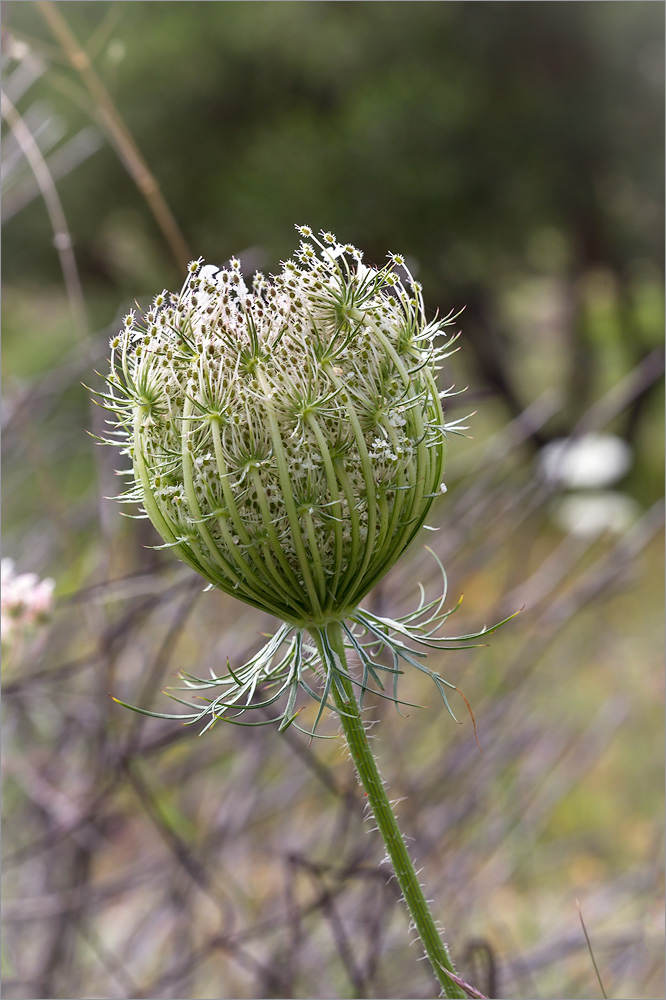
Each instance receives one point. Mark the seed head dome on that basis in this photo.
(287, 440)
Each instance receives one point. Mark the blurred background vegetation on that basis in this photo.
(514, 152)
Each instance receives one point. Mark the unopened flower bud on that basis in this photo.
(287, 442)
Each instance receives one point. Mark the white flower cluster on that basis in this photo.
(287, 439)
(25, 603)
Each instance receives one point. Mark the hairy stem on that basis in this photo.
(357, 740)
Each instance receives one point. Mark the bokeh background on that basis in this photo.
(514, 152)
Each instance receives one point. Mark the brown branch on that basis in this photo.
(62, 239)
(117, 132)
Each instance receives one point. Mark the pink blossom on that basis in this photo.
(25, 602)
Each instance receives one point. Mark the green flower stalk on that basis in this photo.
(287, 441)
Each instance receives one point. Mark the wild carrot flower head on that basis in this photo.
(287, 442)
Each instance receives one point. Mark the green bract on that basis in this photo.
(287, 442)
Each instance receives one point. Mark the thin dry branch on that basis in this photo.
(117, 132)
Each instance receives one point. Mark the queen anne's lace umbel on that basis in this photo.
(287, 440)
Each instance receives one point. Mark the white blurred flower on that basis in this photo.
(588, 462)
(593, 513)
(25, 602)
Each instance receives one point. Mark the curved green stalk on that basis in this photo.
(342, 694)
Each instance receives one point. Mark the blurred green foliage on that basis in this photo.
(482, 138)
